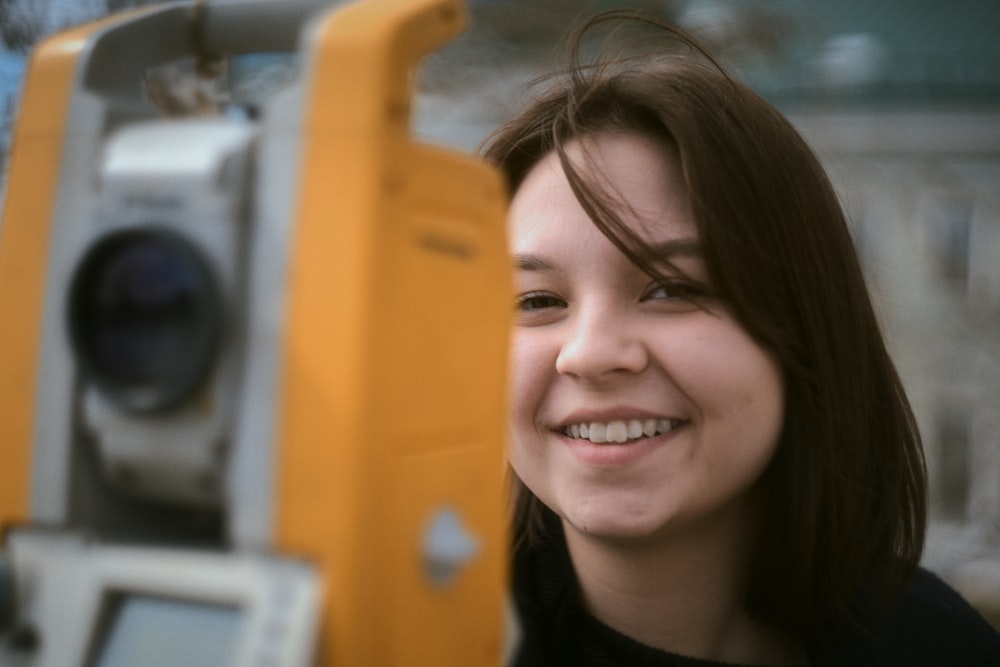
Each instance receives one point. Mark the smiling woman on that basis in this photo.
(714, 459)
(602, 347)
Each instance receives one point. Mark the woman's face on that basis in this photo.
(639, 408)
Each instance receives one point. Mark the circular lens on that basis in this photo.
(144, 318)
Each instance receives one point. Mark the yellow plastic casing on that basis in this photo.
(33, 174)
(394, 393)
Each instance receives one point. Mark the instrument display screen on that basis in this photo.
(164, 632)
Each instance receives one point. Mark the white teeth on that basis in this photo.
(617, 432)
(620, 431)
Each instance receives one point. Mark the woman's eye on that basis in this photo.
(538, 301)
(675, 289)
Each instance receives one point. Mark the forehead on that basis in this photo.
(640, 175)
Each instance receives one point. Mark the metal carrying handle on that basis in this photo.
(210, 29)
(204, 29)
(248, 26)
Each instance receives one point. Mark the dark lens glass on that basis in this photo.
(144, 318)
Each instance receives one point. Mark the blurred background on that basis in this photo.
(901, 99)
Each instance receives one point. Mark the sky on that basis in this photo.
(11, 72)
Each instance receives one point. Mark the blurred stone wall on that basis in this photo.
(921, 192)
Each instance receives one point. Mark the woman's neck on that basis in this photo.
(683, 592)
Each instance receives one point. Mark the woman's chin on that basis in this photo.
(613, 528)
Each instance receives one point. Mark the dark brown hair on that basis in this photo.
(844, 497)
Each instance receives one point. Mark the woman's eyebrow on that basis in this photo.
(529, 262)
(685, 246)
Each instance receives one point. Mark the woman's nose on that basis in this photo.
(600, 343)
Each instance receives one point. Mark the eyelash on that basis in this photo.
(529, 301)
(676, 290)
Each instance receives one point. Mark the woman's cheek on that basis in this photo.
(529, 368)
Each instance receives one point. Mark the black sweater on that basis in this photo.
(929, 625)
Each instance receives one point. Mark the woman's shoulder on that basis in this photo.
(929, 623)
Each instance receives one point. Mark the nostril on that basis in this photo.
(594, 357)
